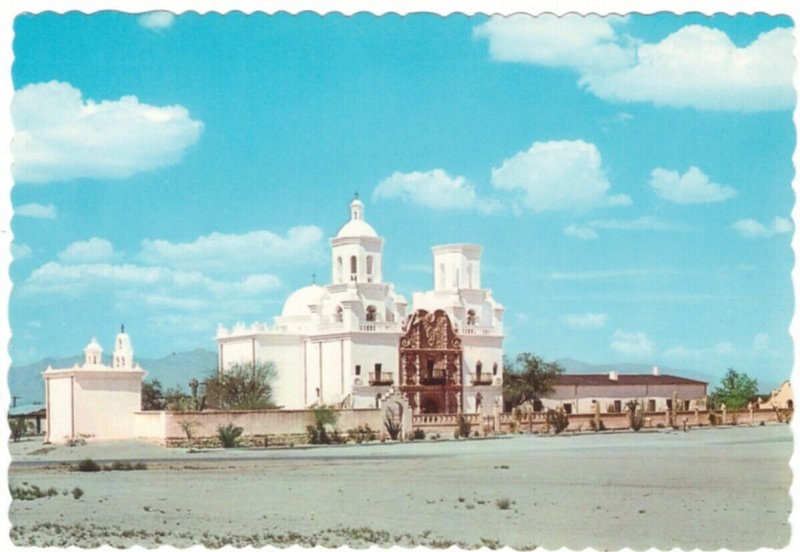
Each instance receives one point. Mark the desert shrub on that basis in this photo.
(140, 466)
(635, 415)
(361, 434)
(556, 420)
(713, 419)
(88, 465)
(503, 503)
(512, 426)
(229, 435)
(464, 427)
(419, 434)
(32, 492)
(77, 492)
(392, 426)
(19, 428)
(324, 417)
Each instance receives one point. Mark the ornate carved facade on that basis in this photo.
(430, 364)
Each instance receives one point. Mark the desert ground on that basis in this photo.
(706, 488)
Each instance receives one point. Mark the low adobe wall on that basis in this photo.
(260, 426)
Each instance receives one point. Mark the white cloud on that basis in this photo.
(580, 232)
(761, 342)
(641, 223)
(60, 136)
(558, 175)
(585, 321)
(691, 187)
(36, 210)
(253, 251)
(157, 20)
(632, 344)
(701, 354)
(93, 250)
(20, 251)
(696, 66)
(433, 189)
(73, 279)
(749, 228)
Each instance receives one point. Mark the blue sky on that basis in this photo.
(629, 178)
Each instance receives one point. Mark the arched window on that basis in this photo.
(371, 313)
(339, 270)
(478, 367)
(470, 317)
(353, 268)
(494, 369)
(369, 264)
(339, 314)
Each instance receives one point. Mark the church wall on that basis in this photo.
(59, 409)
(105, 403)
(286, 353)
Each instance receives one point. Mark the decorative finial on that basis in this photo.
(314, 278)
(356, 194)
(122, 328)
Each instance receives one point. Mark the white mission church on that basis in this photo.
(354, 340)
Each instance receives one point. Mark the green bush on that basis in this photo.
(557, 420)
(635, 416)
(19, 428)
(503, 503)
(77, 492)
(229, 435)
(88, 465)
(419, 434)
(713, 419)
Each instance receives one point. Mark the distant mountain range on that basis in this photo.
(176, 369)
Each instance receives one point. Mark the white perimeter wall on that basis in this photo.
(59, 409)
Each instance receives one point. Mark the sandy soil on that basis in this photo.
(708, 488)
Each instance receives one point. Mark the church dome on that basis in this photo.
(298, 302)
(93, 347)
(356, 227)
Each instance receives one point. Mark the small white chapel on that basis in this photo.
(353, 341)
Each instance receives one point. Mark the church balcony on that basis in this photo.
(477, 330)
(437, 376)
(481, 379)
(380, 327)
(381, 378)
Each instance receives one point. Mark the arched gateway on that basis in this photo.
(430, 364)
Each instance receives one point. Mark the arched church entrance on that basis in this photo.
(430, 364)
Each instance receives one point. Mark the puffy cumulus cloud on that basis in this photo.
(691, 187)
(696, 66)
(74, 279)
(558, 175)
(92, 250)
(157, 20)
(632, 344)
(749, 228)
(585, 321)
(582, 43)
(433, 189)
(20, 251)
(225, 253)
(580, 232)
(60, 136)
(36, 210)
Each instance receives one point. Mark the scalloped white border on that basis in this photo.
(10, 8)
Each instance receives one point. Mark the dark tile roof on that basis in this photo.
(624, 379)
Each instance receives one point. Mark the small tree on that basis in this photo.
(325, 417)
(188, 427)
(152, 395)
(241, 387)
(19, 428)
(735, 391)
(392, 426)
(528, 378)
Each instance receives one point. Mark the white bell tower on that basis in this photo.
(123, 352)
(93, 353)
